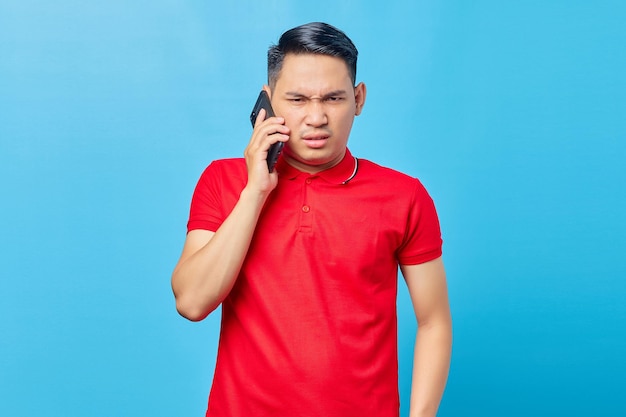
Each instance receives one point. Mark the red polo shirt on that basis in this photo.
(309, 328)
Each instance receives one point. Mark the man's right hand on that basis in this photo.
(265, 133)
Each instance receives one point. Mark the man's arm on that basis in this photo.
(428, 290)
(210, 261)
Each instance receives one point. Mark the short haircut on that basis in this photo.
(311, 38)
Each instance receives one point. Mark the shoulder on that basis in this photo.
(224, 173)
(225, 167)
(373, 172)
(391, 184)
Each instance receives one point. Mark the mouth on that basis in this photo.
(315, 141)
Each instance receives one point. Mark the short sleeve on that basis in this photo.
(216, 193)
(422, 241)
(206, 212)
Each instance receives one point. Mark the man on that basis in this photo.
(304, 259)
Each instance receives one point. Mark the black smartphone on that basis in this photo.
(263, 102)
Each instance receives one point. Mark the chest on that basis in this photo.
(342, 222)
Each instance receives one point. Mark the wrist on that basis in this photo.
(254, 196)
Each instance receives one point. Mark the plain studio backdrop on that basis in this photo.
(513, 114)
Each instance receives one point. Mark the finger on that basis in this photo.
(270, 132)
(260, 118)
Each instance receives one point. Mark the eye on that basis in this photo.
(334, 99)
(296, 100)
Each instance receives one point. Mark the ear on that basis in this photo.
(360, 91)
(268, 90)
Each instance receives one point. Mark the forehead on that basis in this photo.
(313, 72)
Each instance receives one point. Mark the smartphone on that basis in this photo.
(263, 102)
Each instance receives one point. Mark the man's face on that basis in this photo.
(315, 95)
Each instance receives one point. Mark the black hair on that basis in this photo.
(311, 38)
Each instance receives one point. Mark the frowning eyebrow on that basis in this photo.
(336, 93)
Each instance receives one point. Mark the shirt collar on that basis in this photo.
(341, 173)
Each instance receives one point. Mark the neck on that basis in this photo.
(311, 167)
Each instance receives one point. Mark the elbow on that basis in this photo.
(188, 305)
(192, 311)
(440, 327)
(193, 303)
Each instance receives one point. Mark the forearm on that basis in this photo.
(431, 363)
(202, 281)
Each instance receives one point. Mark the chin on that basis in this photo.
(312, 156)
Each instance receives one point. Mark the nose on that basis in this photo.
(316, 114)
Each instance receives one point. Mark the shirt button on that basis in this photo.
(308, 180)
(306, 209)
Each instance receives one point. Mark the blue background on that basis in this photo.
(511, 113)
